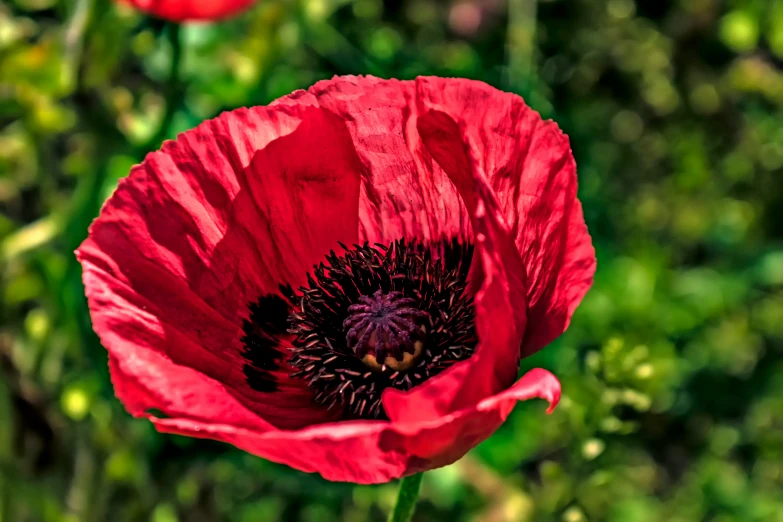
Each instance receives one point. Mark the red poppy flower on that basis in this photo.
(343, 281)
(191, 10)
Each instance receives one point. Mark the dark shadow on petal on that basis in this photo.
(263, 329)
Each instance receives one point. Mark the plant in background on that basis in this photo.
(343, 281)
(176, 12)
(191, 10)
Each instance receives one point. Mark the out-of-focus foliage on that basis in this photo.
(672, 368)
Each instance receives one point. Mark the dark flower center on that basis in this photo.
(383, 327)
(372, 318)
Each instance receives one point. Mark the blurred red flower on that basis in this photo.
(191, 10)
(343, 281)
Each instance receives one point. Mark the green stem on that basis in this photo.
(406, 499)
(173, 88)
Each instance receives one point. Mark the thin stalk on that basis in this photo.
(406, 499)
(173, 88)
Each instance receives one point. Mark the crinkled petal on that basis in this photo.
(191, 10)
(500, 303)
(529, 165)
(369, 452)
(143, 376)
(210, 223)
(401, 195)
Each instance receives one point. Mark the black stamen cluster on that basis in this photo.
(388, 290)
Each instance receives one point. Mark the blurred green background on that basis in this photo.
(673, 366)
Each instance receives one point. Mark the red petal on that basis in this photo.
(369, 452)
(144, 376)
(500, 303)
(529, 165)
(208, 224)
(184, 10)
(401, 195)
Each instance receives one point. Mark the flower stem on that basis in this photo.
(173, 87)
(406, 499)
